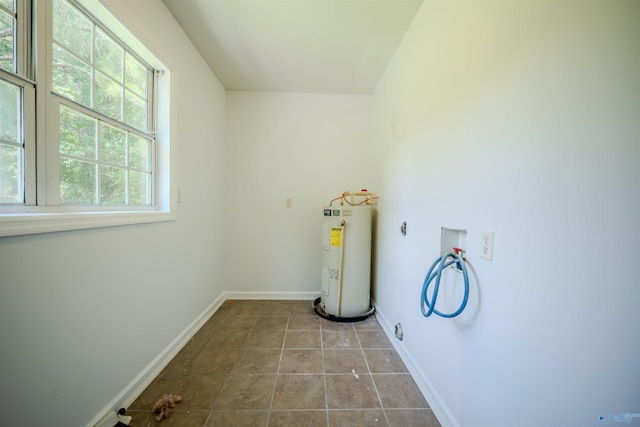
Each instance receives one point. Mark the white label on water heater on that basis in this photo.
(324, 280)
(326, 236)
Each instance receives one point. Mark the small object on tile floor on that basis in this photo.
(162, 405)
(114, 420)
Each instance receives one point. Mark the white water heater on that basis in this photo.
(346, 261)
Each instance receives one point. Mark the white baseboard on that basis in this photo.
(271, 295)
(440, 410)
(151, 371)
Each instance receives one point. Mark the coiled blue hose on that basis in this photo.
(442, 263)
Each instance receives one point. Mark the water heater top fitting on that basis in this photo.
(366, 198)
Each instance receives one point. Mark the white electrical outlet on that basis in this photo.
(486, 245)
(288, 202)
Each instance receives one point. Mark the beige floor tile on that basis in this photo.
(199, 391)
(399, 391)
(357, 418)
(176, 418)
(211, 325)
(301, 362)
(178, 367)
(328, 325)
(344, 361)
(370, 323)
(219, 361)
(265, 339)
(227, 339)
(304, 323)
(246, 392)
(303, 339)
(245, 307)
(298, 419)
(257, 362)
(304, 307)
(384, 361)
(241, 323)
(275, 308)
(238, 418)
(373, 339)
(351, 391)
(299, 392)
(222, 312)
(412, 418)
(272, 322)
(193, 347)
(345, 338)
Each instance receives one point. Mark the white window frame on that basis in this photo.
(47, 217)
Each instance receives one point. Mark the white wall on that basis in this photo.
(517, 117)
(305, 146)
(83, 313)
(522, 118)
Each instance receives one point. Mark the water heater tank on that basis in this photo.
(346, 262)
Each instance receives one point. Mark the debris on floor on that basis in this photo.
(162, 405)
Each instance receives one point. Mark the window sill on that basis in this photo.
(34, 223)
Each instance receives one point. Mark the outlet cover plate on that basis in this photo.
(486, 245)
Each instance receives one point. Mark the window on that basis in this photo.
(13, 91)
(11, 146)
(8, 15)
(96, 145)
(8, 18)
(105, 148)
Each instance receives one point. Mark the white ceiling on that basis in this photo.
(314, 46)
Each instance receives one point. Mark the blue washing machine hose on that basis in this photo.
(427, 305)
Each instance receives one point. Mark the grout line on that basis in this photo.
(275, 384)
(226, 376)
(324, 378)
(375, 387)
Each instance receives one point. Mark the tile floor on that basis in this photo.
(276, 363)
